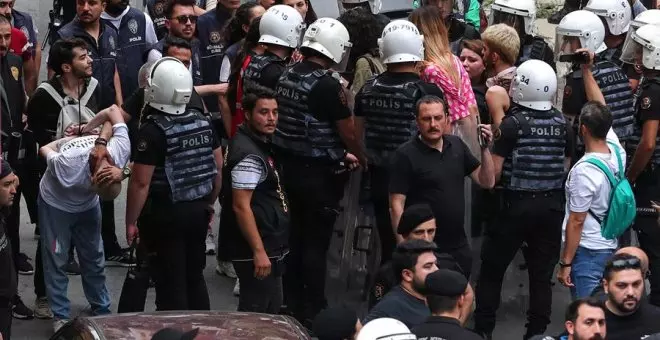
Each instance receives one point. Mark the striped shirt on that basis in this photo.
(248, 173)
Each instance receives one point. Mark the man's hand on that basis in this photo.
(132, 234)
(564, 276)
(109, 174)
(99, 152)
(351, 161)
(262, 265)
(486, 133)
(590, 57)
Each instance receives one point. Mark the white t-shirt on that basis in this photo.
(67, 182)
(587, 188)
(150, 34)
(225, 70)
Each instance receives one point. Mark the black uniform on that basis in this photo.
(156, 9)
(647, 185)
(311, 102)
(442, 327)
(264, 70)
(271, 214)
(534, 145)
(387, 104)
(8, 282)
(174, 220)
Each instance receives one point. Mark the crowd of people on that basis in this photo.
(443, 113)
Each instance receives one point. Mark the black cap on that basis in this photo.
(413, 216)
(174, 334)
(445, 282)
(5, 169)
(335, 323)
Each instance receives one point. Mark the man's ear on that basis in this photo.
(407, 275)
(570, 327)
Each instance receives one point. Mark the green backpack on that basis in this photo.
(622, 208)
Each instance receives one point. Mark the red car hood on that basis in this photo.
(212, 325)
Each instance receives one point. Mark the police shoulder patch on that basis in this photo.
(379, 290)
(142, 145)
(638, 68)
(342, 97)
(646, 103)
(158, 8)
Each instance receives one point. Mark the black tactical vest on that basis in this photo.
(389, 113)
(537, 49)
(189, 168)
(647, 88)
(23, 22)
(156, 9)
(269, 203)
(613, 55)
(537, 161)
(132, 46)
(298, 131)
(211, 49)
(257, 64)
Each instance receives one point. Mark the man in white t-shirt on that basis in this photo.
(70, 212)
(588, 189)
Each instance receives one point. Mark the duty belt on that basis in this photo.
(531, 194)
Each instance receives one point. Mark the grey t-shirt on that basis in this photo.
(400, 305)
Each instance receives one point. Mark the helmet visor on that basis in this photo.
(300, 30)
(566, 43)
(632, 52)
(343, 64)
(145, 73)
(501, 17)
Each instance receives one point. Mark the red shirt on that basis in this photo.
(19, 44)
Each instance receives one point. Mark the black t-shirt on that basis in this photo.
(426, 175)
(442, 327)
(43, 110)
(327, 100)
(508, 138)
(392, 78)
(400, 305)
(7, 272)
(642, 323)
(271, 74)
(649, 108)
(574, 95)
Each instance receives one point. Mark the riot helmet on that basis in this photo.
(282, 25)
(512, 12)
(651, 16)
(401, 42)
(643, 47)
(616, 13)
(534, 85)
(385, 329)
(169, 86)
(330, 38)
(579, 29)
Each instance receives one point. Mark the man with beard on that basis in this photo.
(8, 280)
(412, 260)
(627, 316)
(585, 320)
(32, 56)
(136, 33)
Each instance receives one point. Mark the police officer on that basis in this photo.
(642, 47)
(102, 41)
(23, 22)
(281, 28)
(634, 71)
(385, 114)
(173, 202)
(521, 15)
(156, 10)
(584, 29)
(529, 153)
(314, 134)
(617, 16)
(210, 31)
(136, 33)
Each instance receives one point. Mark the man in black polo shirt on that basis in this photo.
(412, 260)
(431, 169)
(449, 298)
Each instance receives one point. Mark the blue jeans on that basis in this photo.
(58, 229)
(587, 270)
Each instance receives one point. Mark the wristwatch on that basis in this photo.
(126, 171)
(564, 264)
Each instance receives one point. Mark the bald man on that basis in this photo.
(633, 251)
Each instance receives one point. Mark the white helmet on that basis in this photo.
(534, 85)
(385, 329)
(584, 25)
(169, 86)
(643, 47)
(281, 25)
(522, 8)
(617, 14)
(330, 38)
(401, 42)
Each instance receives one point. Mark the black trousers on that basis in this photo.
(314, 192)
(537, 221)
(647, 188)
(5, 317)
(379, 184)
(260, 296)
(108, 234)
(174, 236)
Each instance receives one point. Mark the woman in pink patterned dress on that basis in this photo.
(445, 70)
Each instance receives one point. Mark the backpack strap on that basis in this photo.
(91, 87)
(53, 93)
(614, 180)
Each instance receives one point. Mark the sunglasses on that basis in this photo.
(182, 19)
(626, 264)
(5, 4)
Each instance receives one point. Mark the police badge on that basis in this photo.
(215, 37)
(133, 26)
(158, 8)
(646, 103)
